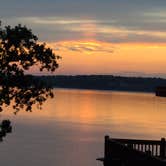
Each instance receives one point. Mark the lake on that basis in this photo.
(70, 129)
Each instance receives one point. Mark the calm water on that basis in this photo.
(70, 129)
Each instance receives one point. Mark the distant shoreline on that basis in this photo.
(106, 90)
(104, 82)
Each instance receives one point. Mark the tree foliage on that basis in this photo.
(19, 51)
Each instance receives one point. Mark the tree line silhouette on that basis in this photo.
(104, 82)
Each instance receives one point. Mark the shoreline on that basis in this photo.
(109, 90)
(104, 82)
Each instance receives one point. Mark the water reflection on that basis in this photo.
(119, 111)
(70, 128)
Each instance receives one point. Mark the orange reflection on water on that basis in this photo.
(118, 113)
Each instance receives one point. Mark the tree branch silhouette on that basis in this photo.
(19, 51)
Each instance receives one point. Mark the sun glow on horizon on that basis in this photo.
(81, 57)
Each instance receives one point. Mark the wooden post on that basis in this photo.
(106, 148)
(162, 148)
(106, 151)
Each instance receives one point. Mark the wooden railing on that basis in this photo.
(155, 148)
(134, 152)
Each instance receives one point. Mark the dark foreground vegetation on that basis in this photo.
(104, 82)
(19, 51)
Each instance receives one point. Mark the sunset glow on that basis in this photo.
(75, 75)
(110, 37)
(94, 57)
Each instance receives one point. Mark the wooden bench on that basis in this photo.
(133, 152)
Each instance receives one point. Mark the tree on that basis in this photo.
(19, 51)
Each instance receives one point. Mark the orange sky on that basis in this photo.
(97, 37)
(94, 57)
(88, 55)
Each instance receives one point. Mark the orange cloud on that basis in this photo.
(96, 57)
(88, 47)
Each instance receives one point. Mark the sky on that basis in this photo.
(121, 37)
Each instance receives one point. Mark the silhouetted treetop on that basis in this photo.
(19, 51)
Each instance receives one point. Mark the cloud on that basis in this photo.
(65, 28)
(107, 20)
(83, 47)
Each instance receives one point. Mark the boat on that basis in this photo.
(161, 91)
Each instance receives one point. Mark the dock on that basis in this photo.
(134, 152)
